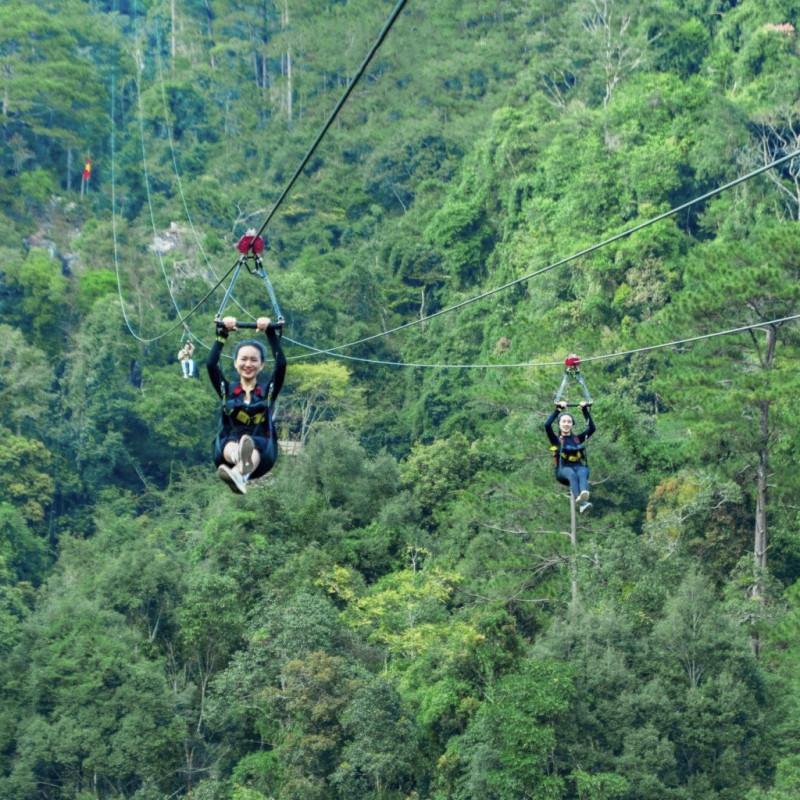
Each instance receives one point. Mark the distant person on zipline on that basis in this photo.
(247, 444)
(569, 451)
(186, 357)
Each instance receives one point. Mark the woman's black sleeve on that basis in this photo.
(590, 428)
(548, 426)
(279, 372)
(212, 365)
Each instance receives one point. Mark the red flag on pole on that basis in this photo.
(87, 174)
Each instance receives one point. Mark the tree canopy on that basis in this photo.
(399, 610)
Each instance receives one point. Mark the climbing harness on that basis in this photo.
(255, 415)
(575, 454)
(245, 418)
(572, 371)
(250, 248)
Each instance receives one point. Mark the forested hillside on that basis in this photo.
(398, 611)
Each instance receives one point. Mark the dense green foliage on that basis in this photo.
(397, 611)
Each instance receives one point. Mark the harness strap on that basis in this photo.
(229, 291)
(572, 370)
(562, 387)
(559, 455)
(245, 418)
(261, 271)
(242, 415)
(250, 248)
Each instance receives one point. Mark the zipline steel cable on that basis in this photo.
(391, 19)
(148, 194)
(179, 183)
(332, 351)
(560, 263)
(181, 322)
(584, 360)
(593, 248)
(529, 364)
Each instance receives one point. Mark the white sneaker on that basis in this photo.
(233, 478)
(245, 463)
(583, 496)
(584, 507)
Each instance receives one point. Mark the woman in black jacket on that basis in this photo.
(247, 443)
(569, 451)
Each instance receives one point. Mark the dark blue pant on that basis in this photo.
(577, 478)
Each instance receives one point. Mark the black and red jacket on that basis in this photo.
(239, 416)
(569, 451)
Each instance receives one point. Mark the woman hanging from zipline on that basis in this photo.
(247, 444)
(568, 447)
(569, 451)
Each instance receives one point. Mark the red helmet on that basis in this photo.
(572, 360)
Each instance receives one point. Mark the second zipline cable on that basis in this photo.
(533, 364)
(560, 263)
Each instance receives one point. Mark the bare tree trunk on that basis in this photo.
(288, 62)
(172, 44)
(760, 538)
(188, 757)
(573, 538)
(209, 18)
(760, 541)
(617, 50)
(289, 84)
(305, 421)
(779, 137)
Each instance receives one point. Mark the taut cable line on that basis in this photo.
(182, 319)
(560, 263)
(584, 360)
(391, 19)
